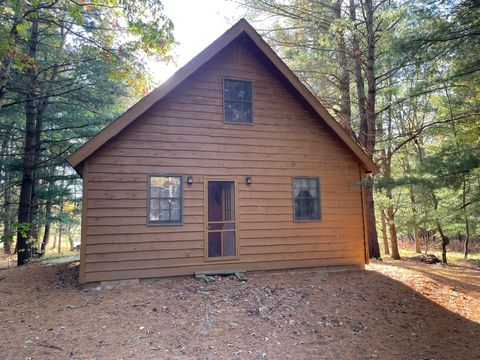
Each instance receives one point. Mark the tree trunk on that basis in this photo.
(70, 240)
(371, 117)
(7, 237)
(374, 248)
(26, 189)
(34, 202)
(370, 113)
(386, 157)
(54, 245)
(46, 234)
(467, 237)
(386, 248)
(413, 201)
(366, 109)
(425, 236)
(60, 225)
(393, 234)
(465, 214)
(344, 77)
(8, 231)
(391, 226)
(359, 82)
(35, 232)
(40, 109)
(445, 242)
(445, 239)
(59, 250)
(39, 117)
(46, 237)
(25, 210)
(464, 182)
(418, 248)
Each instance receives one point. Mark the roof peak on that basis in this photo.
(241, 26)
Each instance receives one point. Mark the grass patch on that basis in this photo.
(453, 257)
(62, 257)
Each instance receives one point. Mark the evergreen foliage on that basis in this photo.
(68, 69)
(427, 71)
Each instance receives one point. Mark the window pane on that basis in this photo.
(229, 243)
(233, 111)
(306, 199)
(214, 244)
(174, 209)
(304, 207)
(165, 199)
(296, 184)
(154, 210)
(309, 208)
(238, 90)
(165, 210)
(246, 112)
(238, 101)
(304, 183)
(238, 112)
(316, 210)
(165, 186)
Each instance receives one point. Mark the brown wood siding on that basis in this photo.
(185, 134)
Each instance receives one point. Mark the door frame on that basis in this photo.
(205, 220)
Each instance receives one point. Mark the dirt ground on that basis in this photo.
(393, 310)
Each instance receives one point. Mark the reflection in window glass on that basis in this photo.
(237, 98)
(306, 197)
(165, 200)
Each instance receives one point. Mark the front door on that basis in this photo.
(221, 234)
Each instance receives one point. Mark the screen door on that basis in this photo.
(221, 229)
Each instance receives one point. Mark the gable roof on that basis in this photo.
(241, 27)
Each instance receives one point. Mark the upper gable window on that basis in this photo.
(237, 101)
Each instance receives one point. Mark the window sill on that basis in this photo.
(306, 220)
(165, 224)
(238, 123)
(222, 258)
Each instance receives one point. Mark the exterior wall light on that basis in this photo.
(248, 180)
(189, 180)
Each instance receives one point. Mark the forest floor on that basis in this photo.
(394, 310)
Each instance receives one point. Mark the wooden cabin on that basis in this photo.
(230, 164)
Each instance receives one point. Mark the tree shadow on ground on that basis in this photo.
(307, 314)
(461, 276)
(419, 328)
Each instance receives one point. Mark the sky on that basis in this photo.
(196, 24)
